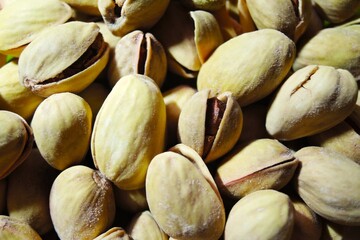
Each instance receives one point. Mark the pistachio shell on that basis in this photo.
(14, 229)
(16, 141)
(144, 226)
(85, 211)
(129, 131)
(183, 197)
(310, 101)
(251, 65)
(260, 164)
(62, 122)
(264, 214)
(18, 30)
(132, 201)
(337, 11)
(63, 68)
(86, 6)
(329, 184)
(114, 233)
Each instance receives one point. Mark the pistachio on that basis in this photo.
(144, 226)
(17, 30)
(124, 16)
(260, 164)
(28, 192)
(123, 145)
(62, 122)
(87, 210)
(210, 125)
(114, 233)
(329, 184)
(14, 96)
(251, 65)
(64, 68)
(183, 197)
(337, 11)
(132, 201)
(11, 228)
(138, 53)
(311, 100)
(16, 141)
(86, 6)
(264, 214)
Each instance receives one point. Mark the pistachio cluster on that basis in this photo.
(179, 119)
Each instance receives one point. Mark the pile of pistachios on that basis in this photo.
(179, 119)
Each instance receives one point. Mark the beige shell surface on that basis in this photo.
(337, 11)
(86, 6)
(114, 233)
(310, 101)
(144, 226)
(18, 30)
(14, 229)
(129, 131)
(251, 65)
(329, 184)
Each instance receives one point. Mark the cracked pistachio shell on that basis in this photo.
(85, 6)
(337, 11)
(124, 16)
(138, 53)
(114, 233)
(264, 214)
(287, 16)
(188, 49)
(256, 165)
(22, 21)
(250, 65)
(78, 55)
(183, 197)
(28, 192)
(210, 125)
(129, 131)
(329, 183)
(16, 141)
(14, 96)
(311, 100)
(62, 129)
(144, 226)
(341, 43)
(82, 204)
(3, 187)
(11, 228)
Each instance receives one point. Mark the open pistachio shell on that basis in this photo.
(260, 164)
(16, 141)
(114, 233)
(210, 125)
(183, 197)
(144, 226)
(78, 55)
(336, 11)
(23, 20)
(14, 229)
(129, 131)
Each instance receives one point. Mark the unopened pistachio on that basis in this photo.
(114, 233)
(11, 228)
(336, 11)
(144, 226)
(62, 129)
(82, 204)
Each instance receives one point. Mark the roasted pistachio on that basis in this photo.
(11, 228)
(210, 125)
(114, 233)
(78, 55)
(144, 226)
(337, 11)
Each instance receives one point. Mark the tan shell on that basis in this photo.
(260, 164)
(337, 11)
(183, 197)
(17, 30)
(144, 226)
(62, 122)
(129, 131)
(82, 204)
(264, 214)
(86, 6)
(64, 68)
(310, 101)
(114, 233)
(329, 184)
(251, 65)
(14, 229)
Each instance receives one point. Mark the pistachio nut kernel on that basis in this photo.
(144, 226)
(341, 43)
(288, 16)
(210, 125)
(256, 165)
(16, 141)
(263, 214)
(114, 233)
(311, 100)
(11, 228)
(82, 204)
(62, 129)
(122, 146)
(250, 65)
(336, 11)
(183, 197)
(14, 96)
(78, 55)
(329, 184)
(89, 7)
(124, 16)
(18, 30)
(138, 53)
